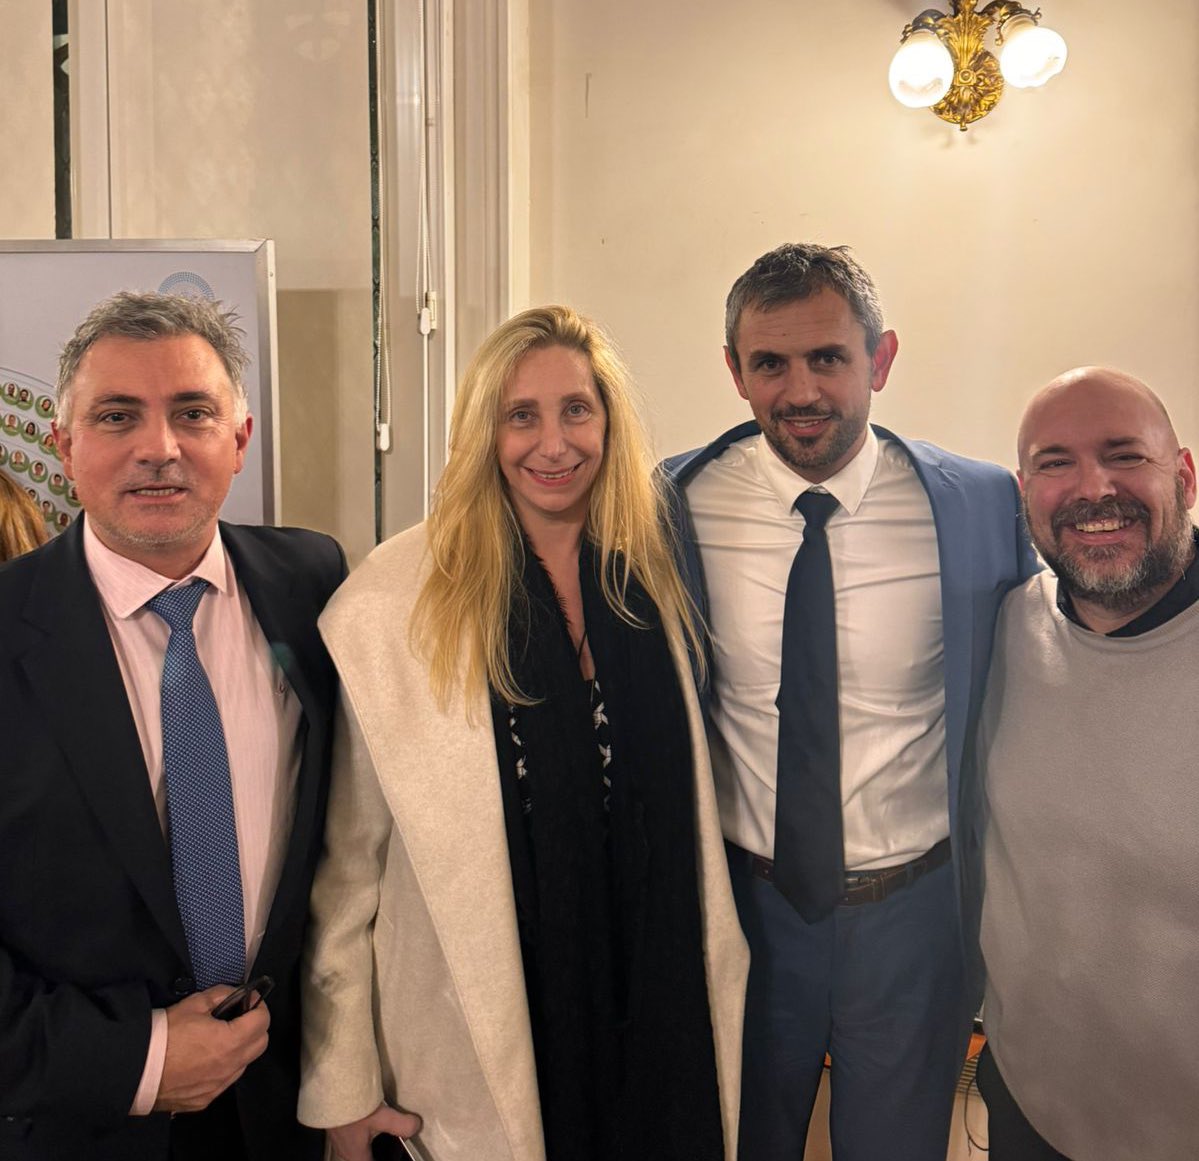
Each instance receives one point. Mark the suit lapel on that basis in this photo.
(270, 589)
(74, 672)
(948, 503)
(682, 467)
(679, 471)
(290, 630)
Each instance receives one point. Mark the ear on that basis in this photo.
(1186, 473)
(62, 440)
(1020, 479)
(731, 363)
(241, 439)
(881, 360)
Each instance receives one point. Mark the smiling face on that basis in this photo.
(550, 438)
(808, 377)
(1106, 491)
(153, 445)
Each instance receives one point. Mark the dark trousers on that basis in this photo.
(212, 1135)
(880, 987)
(1011, 1137)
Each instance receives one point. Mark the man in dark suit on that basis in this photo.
(851, 581)
(163, 785)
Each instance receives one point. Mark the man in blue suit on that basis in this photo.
(851, 581)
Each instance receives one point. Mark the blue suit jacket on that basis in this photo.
(984, 551)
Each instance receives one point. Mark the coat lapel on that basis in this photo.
(447, 801)
(471, 899)
(437, 769)
(73, 670)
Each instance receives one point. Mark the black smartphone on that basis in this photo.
(385, 1147)
(242, 1000)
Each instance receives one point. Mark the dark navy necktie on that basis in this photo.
(809, 855)
(201, 828)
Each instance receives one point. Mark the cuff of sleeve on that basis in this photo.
(156, 1056)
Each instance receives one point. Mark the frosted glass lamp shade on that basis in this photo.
(921, 71)
(1031, 55)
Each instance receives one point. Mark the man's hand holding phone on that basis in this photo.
(244, 999)
(204, 1055)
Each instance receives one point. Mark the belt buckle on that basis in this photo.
(866, 886)
(885, 882)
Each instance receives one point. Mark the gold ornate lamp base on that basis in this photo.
(977, 82)
(975, 91)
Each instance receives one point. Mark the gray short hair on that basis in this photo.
(148, 316)
(795, 271)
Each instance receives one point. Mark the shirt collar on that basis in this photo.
(848, 485)
(125, 586)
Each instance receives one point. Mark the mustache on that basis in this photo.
(169, 477)
(1086, 512)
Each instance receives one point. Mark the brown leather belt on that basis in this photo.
(873, 886)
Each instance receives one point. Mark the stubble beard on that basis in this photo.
(171, 535)
(801, 454)
(1082, 573)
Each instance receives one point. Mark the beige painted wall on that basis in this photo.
(238, 119)
(670, 145)
(26, 121)
(674, 142)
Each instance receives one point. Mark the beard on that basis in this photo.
(1094, 575)
(820, 451)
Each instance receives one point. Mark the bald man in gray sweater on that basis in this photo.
(1088, 744)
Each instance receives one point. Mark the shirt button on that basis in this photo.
(183, 986)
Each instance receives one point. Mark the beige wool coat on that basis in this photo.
(414, 990)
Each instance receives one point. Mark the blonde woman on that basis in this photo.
(523, 930)
(22, 528)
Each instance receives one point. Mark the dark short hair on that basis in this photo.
(148, 316)
(795, 271)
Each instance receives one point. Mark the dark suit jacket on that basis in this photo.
(90, 935)
(984, 551)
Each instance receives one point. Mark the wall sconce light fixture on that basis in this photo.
(942, 63)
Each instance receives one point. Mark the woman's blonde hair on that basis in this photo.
(22, 528)
(474, 534)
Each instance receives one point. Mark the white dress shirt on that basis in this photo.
(259, 712)
(886, 572)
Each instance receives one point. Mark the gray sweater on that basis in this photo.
(1091, 913)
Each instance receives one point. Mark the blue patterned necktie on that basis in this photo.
(809, 855)
(200, 821)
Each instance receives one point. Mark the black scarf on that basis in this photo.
(608, 899)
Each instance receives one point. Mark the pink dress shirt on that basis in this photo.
(259, 711)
